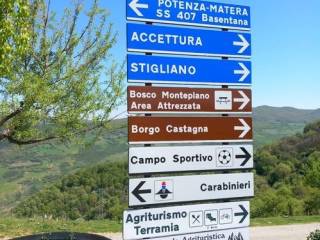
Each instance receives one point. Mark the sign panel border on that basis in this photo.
(239, 130)
(236, 101)
(168, 190)
(243, 153)
(234, 72)
(244, 43)
(239, 211)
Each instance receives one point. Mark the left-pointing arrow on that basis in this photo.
(245, 128)
(138, 191)
(135, 6)
(244, 213)
(246, 156)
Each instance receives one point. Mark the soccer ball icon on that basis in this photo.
(224, 157)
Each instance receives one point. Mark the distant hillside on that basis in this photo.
(26, 170)
(273, 123)
(287, 184)
(285, 115)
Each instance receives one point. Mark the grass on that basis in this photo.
(284, 220)
(13, 227)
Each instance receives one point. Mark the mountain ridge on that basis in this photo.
(286, 114)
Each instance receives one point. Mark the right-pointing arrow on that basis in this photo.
(245, 72)
(244, 100)
(247, 156)
(244, 213)
(135, 5)
(244, 44)
(245, 128)
(137, 191)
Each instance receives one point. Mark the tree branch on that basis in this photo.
(68, 46)
(10, 116)
(28, 142)
(8, 134)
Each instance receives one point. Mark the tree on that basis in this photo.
(14, 33)
(313, 170)
(61, 87)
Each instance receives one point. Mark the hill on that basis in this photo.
(285, 114)
(272, 123)
(288, 175)
(287, 184)
(26, 170)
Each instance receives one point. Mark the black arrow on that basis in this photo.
(246, 156)
(244, 213)
(137, 191)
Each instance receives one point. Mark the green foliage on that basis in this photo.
(65, 83)
(15, 25)
(285, 185)
(312, 202)
(98, 192)
(12, 175)
(280, 202)
(43, 164)
(313, 170)
(289, 176)
(314, 235)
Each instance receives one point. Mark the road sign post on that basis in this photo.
(185, 42)
(169, 221)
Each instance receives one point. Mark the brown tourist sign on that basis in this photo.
(188, 100)
(189, 129)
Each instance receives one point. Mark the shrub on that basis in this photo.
(314, 235)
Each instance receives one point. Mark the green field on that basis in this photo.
(13, 227)
(284, 220)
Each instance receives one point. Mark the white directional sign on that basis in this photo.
(161, 190)
(229, 234)
(169, 221)
(189, 158)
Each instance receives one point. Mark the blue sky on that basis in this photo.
(286, 49)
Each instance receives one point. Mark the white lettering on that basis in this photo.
(187, 129)
(167, 39)
(163, 68)
(135, 129)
